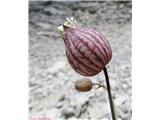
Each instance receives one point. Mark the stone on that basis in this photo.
(61, 97)
(59, 104)
(67, 112)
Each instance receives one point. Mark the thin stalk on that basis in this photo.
(112, 106)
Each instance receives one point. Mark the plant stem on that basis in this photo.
(112, 107)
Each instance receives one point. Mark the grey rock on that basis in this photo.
(67, 112)
(61, 97)
(59, 104)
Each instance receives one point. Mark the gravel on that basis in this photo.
(51, 79)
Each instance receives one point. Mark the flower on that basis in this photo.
(87, 50)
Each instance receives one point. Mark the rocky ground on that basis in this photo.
(51, 79)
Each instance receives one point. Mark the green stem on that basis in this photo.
(112, 106)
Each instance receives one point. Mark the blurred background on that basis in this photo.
(51, 79)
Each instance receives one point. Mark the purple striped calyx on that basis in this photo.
(87, 50)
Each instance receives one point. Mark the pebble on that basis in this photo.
(59, 104)
(61, 98)
(67, 112)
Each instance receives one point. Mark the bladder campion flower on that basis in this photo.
(87, 50)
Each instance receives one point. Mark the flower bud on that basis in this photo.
(87, 50)
(83, 85)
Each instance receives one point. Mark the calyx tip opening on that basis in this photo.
(70, 22)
